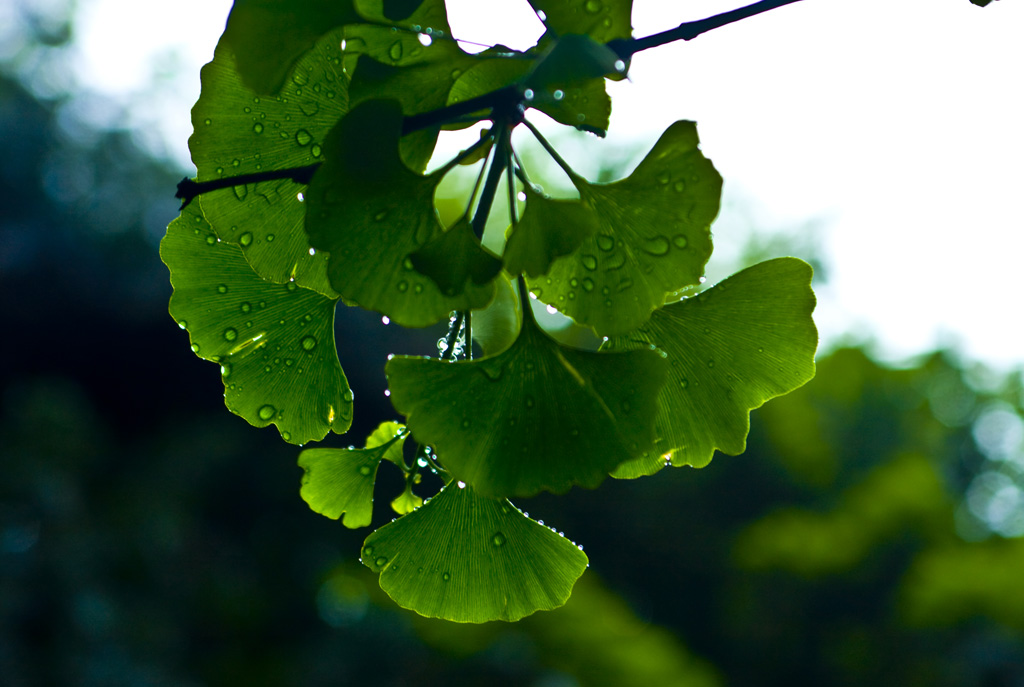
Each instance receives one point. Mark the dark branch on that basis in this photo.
(626, 48)
(188, 189)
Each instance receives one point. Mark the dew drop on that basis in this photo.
(270, 238)
(230, 334)
(711, 363)
(679, 186)
(498, 539)
(210, 240)
(195, 348)
(245, 307)
(207, 121)
(588, 284)
(395, 51)
(316, 150)
(558, 94)
(381, 560)
(592, 6)
(245, 239)
(529, 401)
(589, 261)
(446, 577)
(680, 241)
(528, 94)
(222, 288)
(605, 242)
(620, 66)
(308, 343)
(364, 470)
(267, 412)
(303, 137)
(656, 246)
(257, 128)
(403, 286)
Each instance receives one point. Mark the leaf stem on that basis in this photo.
(627, 47)
(452, 338)
(498, 163)
(573, 176)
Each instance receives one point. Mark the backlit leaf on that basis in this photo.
(731, 349)
(548, 229)
(338, 481)
(235, 132)
(370, 212)
(471, 559)
(268, 36)
(602, 20)
(653, 238)
(274, 342)
(536, 416)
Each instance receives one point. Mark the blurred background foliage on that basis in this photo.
(870, 533)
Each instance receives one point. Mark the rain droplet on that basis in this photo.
(446, 577)
(395, 51)
(270, 238)
(381, 560)
(210, 240)
(680, 241)
(303, 137)
(679, 186)
(498, 539)
(230, 334)
(588, 284)
(258, 128)
(403, 286)
(245, 307)
(605, 242)
(316, 150)
(528, 94)
(656, 246)
(245, 239)
(364, 470)
(592, 6)
(711, 363)
(222, 288)
(558, 94)
(267, 412)
(589, 261)
(308, 343)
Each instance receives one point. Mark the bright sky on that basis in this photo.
(892, 130)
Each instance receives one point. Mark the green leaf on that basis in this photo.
(274, 342)
(455, 259)
(470, 559)
(393, 64)
(238, 132)
(268, 36)
(496, 327)
(338, 481)
(653, 238)
(406, 502)
(731, 349)
(537, 416)
(581, 104)
(602, 20)
(548, 229)
(370, 212)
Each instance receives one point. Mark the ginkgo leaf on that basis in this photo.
(581, 104)
(370, 212)
(573, 59)
(238, 132)
(653, 238)
(415, 62)
(536, 416)
(471, 559)
(731, 349)
(454, 259)
(496, 326)
(602, 20)
(268, 36)
(385, 432)
(406, 502)
(340, 481)
(548, 229)
(274, 342)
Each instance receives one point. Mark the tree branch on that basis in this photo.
(627, 47)
(188, 189)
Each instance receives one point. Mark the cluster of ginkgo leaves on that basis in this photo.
(311, 138)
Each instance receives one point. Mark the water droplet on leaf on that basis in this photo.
(230, 334)
(267, 412)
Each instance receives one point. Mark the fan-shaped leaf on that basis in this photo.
(371, 212)
(237, 132)
(274, 342)
(268, 36)
(454, 259)
(731, 348)
(338, 481)
(602, 20)
(537, 416)
(653, 238)
(471, 559)
(548, 229)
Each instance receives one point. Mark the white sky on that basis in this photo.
(894, 125)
